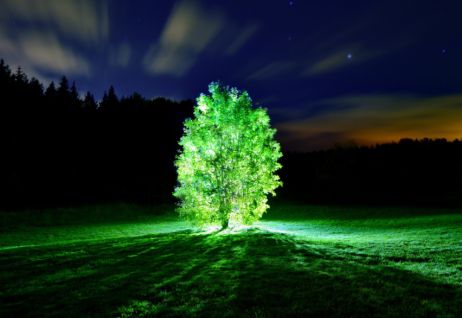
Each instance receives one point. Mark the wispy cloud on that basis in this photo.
(326, 51)
(328, 64)
(341, 58)
(49, 33)
(83, 19)
(243, 36)
(188, 31)
(45, 52)
(40, 53)
(376, 118)
(302, 67)
(120, 55)
(7, 45)
(272, 70)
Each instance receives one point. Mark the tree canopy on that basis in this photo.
(227, 161)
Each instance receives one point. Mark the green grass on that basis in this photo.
(127, 261)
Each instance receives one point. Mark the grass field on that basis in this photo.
(127, 261)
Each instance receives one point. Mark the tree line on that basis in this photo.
(61, 149)
(426, 172)
(58, 148)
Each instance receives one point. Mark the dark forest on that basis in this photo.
(60, 149)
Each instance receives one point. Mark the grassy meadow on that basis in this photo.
(298, 261)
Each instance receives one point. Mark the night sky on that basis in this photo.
(328, 71)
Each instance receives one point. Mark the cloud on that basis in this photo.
(272, 70)
(188, 31)
(339, 59)
(328, 64)
(376, 119)
(45, 52)
(243, 36)
(7, 45)
(42, 52)
(301, 67)
(121, 55)
(83, 19)
(37, 35)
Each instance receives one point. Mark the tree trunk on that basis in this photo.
(224, 224)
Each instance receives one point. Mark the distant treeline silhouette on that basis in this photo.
(60, 149)
(411, 172)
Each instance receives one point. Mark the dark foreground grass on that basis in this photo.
(326, 265)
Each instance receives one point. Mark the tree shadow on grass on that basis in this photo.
(249, 274)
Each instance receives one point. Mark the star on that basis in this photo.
(349, 56)
(444, 51)
(291, 3)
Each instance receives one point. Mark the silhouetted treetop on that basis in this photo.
(20, 77)
(110, 101)
(89, 103)
(63, 89)
(51, 90)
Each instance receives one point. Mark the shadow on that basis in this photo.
(249, 274)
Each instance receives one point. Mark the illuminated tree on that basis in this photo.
(228, 159)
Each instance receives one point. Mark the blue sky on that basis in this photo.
(328, 71)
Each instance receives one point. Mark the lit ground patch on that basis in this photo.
(325, 265)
